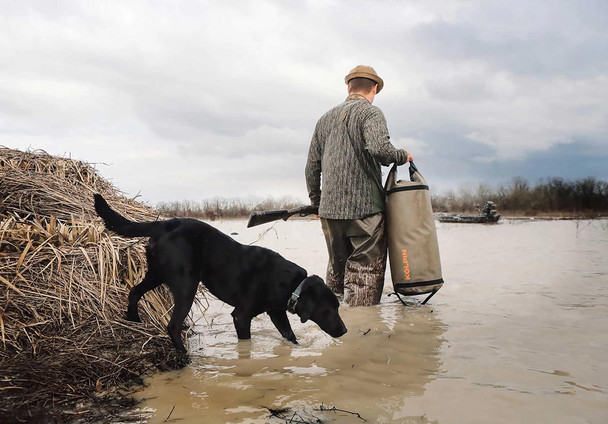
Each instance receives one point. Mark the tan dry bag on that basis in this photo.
(411, 236)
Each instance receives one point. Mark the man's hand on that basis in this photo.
(410, 158)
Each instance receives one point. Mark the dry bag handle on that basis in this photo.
(413, 169)
(418, 180)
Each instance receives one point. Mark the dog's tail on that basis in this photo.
(121, 225)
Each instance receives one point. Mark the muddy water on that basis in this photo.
(518, 334)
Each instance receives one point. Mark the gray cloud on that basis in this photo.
(194, 99)
(539, 39)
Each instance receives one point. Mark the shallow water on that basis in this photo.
(518, 334)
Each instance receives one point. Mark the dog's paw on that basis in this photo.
(134, 318)
(176, 359)
(182, 359)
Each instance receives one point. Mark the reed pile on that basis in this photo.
(64, 282)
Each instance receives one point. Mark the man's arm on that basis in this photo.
(313, 171)
(377, 140)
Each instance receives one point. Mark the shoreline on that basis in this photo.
(516, 215)
(541, 216)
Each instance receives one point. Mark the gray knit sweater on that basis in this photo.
(348, 190)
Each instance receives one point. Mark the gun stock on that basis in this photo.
(262, 217)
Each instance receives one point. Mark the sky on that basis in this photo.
(193, 100)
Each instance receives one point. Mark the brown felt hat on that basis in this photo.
(363, 71)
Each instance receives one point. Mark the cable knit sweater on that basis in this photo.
(348, 190)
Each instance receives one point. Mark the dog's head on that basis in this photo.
(319, 304)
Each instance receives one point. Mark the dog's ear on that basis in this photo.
(304, 308)
(306, 303)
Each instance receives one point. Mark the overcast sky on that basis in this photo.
(181, 100)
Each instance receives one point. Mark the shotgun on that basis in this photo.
(262, 217)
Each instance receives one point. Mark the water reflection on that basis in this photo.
(389, 354)
(517, 334)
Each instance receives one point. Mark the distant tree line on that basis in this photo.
(221, 208)
(549, 195)
(553, 195)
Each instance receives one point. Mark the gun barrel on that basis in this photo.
(262, 217)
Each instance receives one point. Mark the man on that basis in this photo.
(348, 146)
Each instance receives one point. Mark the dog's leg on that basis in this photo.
(281, 322)
(242, 324)
(183, 303)
(149, 282)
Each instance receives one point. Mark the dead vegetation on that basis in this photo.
(66, 352)
(224, 208)
(551, 197)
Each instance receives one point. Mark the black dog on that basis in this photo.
(183, 252)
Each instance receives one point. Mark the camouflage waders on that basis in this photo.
(357, 258)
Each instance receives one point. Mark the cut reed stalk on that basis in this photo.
(64, 284)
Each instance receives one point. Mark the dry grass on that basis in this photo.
(64, 283)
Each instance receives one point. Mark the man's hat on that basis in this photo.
(363, 71)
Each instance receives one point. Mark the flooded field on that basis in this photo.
(518, 334)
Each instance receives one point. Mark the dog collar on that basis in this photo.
(293, 300)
